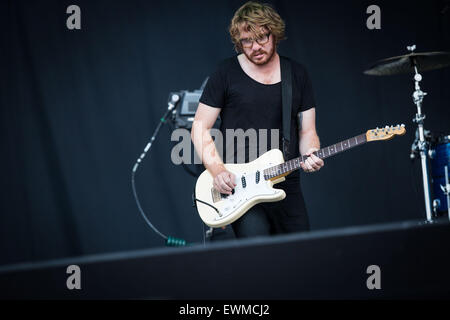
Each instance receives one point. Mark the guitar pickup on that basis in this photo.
(257, 177)
(244, 183)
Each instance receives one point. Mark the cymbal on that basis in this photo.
(404, 64)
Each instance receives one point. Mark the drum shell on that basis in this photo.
(441, 158)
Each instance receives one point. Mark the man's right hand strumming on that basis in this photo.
(205, 117)
(224, 182)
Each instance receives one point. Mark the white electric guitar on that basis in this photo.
(255, 179)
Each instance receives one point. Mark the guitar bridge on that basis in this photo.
(216, 195)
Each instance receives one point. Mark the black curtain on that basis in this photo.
(79, 106)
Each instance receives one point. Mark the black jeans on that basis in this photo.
(267, 218)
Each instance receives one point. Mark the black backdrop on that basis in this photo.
(78, 107)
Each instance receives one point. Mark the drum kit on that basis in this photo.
(434, 148)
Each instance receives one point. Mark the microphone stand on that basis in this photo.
(170, 241)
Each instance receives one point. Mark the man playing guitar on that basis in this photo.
(246, 91)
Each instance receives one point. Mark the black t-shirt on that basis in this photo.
(249, 104)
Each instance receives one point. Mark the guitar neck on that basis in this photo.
(294, 164)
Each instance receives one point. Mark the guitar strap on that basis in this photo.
(286, 99)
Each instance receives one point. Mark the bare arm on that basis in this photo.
(205, 117)
(308, 135)
(309, 141)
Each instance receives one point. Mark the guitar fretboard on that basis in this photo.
(294, 164)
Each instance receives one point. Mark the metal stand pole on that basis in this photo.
(446, 190)
(422, 145)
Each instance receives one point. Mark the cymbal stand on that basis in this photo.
(422, 144)
(446, 190)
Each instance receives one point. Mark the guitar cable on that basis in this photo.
(194, 203)
(194, 198)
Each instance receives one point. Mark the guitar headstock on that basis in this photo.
(385, 133)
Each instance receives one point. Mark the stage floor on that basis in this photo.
(407, 259)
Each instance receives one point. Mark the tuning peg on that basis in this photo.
(402, 125)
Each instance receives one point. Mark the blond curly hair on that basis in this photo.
(253, 15)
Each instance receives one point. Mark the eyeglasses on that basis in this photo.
(248, 43)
